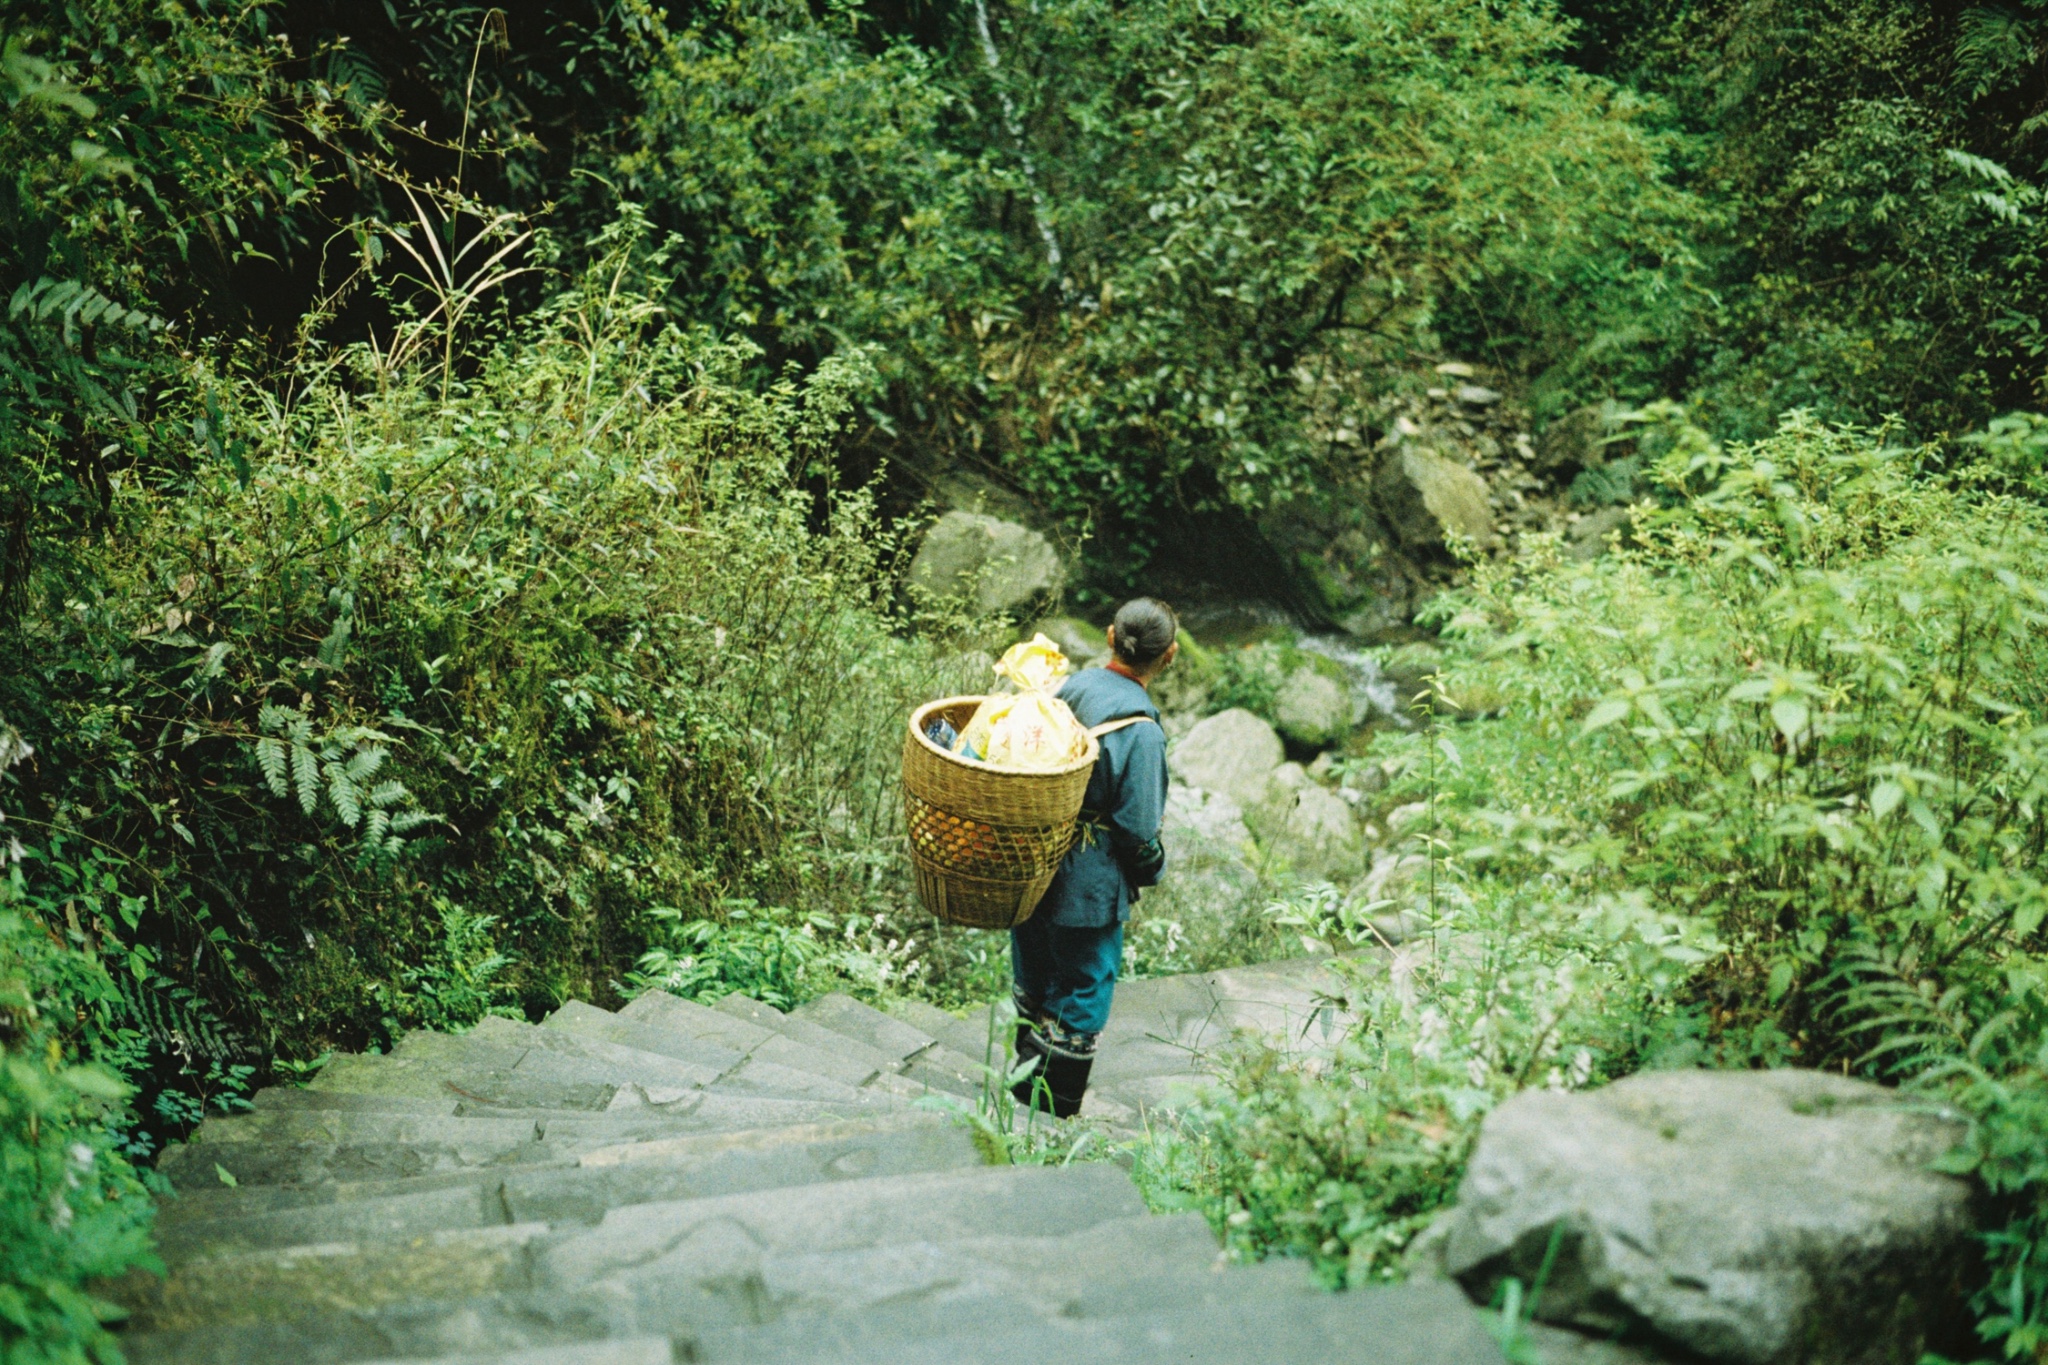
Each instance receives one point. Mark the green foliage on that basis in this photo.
(71, 1209)
(1114, 276)
(1870, 255)
(145, 157)
(1808, 713)
(429, 710)
(1343, 1161)
(779, 957)
(1764, 789)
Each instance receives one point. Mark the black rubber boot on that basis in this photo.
(1067, 1078)
(1030, 1048)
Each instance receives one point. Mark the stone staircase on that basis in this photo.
(676, 1182)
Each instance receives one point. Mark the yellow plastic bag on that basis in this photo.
(1030, 728)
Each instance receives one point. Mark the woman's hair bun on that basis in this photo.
(1145, 629)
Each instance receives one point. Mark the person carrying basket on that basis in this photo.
(1064, 958)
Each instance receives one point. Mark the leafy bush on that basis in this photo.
(1105, 245)
(1344, 1160)
(1766, 789)
(1808, 713)
(410, 711)
(71, 1208)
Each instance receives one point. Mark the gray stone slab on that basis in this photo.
(699, 1165)
(760, 1076)
(590, 1021)
(697, 1021)
(563, 1137)
(764, 1068)
(941, 1068)
(838, 1056)
(631, 1351)
(296, 1097)
(616, 1125)
(612, 1062)
(969, 1037)
(1395, 1325)
(844, 1014)
(349, 1277)
(434, 1079)
(688, 1242)
(490, 1326)
(201, 1203)
(472, 1205)
(719, 1165)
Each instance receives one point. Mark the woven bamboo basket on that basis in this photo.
(985, 841)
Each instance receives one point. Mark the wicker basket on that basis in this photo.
(985, 841)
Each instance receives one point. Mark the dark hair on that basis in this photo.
(1145, 629)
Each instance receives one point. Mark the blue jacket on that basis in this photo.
(1118, 849)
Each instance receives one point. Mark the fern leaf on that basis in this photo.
(388, 793)
(306, 772)
(335, 647)
(345, 794)
(366, 762)
(271, 757)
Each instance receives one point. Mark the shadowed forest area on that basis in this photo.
(461, 468)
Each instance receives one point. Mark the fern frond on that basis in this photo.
(388, 793)
(345, 794)
(276, 763)
(306, 773)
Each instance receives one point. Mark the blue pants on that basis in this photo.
(1064, 978)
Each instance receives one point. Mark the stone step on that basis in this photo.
(920, 1056)
(297, 1097)
(630, 1351)
(1391, 1325)
(563, 1137)
(970, 1037)
(887, 1035)
(847, 1055)
(216, 1292)
(775, 1067)
(694, 1167)
(348, 1125)
(653, 1246)
(693, 1020)
(615, 1063)
(499, 1087)
(1108, 1267)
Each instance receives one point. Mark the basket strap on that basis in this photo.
(1111, 726)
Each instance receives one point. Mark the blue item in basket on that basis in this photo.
(942, 733)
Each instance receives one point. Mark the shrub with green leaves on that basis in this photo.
(1809, 712)
(417, 710)
(71, 1208)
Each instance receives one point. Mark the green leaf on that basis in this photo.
(1607, 713)
(226, 1177)
(1781, 981)
(1790, 715)
(1885, 798)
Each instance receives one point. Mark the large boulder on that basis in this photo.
(1760, 1217)
(1204, 819)
(1427, 498)
(1307, 825)
(1232, 752)
(998, 566)
(1312, 709)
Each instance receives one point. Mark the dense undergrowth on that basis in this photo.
(431, 590)
(1764, 789)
